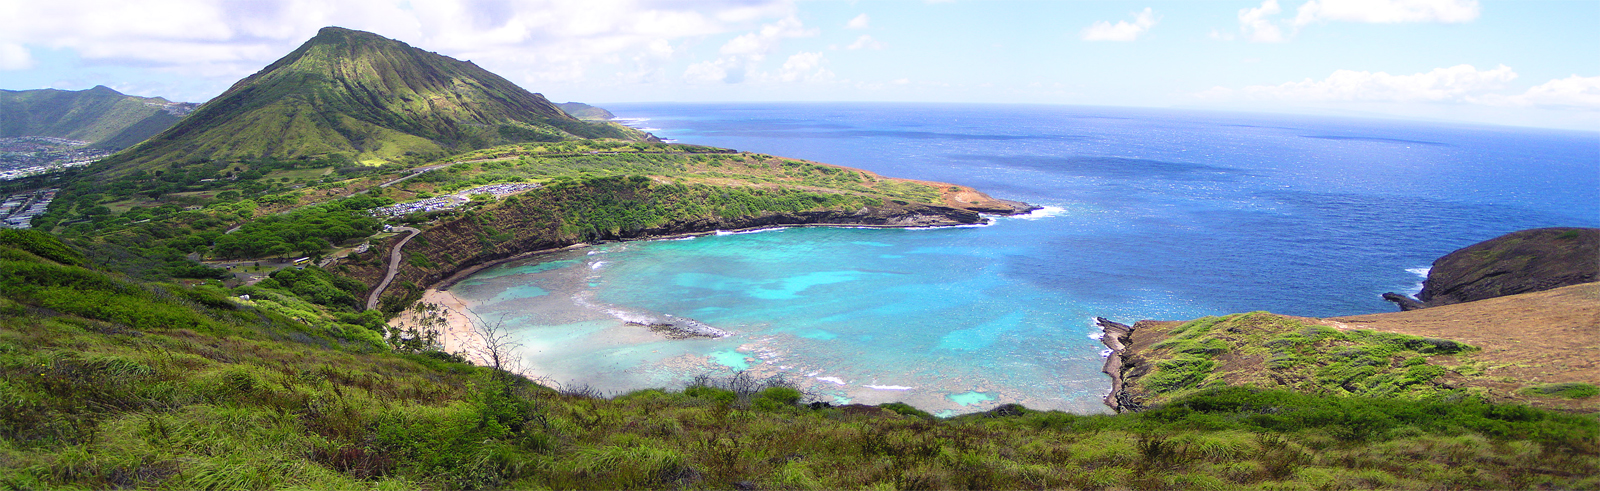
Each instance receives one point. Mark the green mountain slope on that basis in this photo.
(100, 115)
(371, 98)
(586, 112)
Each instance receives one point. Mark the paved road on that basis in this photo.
(394, 266)
(414, 173)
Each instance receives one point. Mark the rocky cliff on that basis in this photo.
(1518, 262)
(558, 217)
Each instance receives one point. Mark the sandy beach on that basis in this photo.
(447, 316)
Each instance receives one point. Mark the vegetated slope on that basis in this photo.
(102, 116)
(1164, 360)
(1518, 262)
(109, 383)
(613, 191)
(587, 112)
(368, 97)
(1540, 348)
(1534, 348)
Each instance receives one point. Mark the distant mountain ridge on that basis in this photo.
(101, 115)
(374, 99)
(586, 112)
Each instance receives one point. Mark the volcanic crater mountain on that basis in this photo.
(373, 99)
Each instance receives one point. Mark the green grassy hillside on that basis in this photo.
(1169, 360)
(584, 111)
(102, 116)
(369, 98)
(111, 383)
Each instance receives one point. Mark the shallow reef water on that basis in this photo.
(1149, 214)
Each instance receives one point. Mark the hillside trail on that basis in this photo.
(394, 266)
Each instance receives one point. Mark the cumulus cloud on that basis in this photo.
(859, 22)
(15, 57)
(1573, 91)
(804, 66)
(1457, 83)
(1122, 30)
(1257, 24)
(756, 45)
(1460, 84)
(532, 40)
(865, 42)
(705, 71)
(1260, 24)
(1388, 11)
(740, 55)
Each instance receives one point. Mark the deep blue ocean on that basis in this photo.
(1150, 214)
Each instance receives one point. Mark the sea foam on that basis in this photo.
(744, 232)
(1043, 212)
(1422, 273)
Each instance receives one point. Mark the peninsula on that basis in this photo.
(192, 313)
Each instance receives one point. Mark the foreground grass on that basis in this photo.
(114, 394)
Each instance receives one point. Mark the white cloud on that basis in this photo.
(859, 22)
(1388, 11)
(741, 54)
(1460, 83)
(1260, 25)
(15, 57)
(865, 42)
(1256, 24)
(705, 71)
(659, 48)
(527, 40)
(1573, 91)
(805, 66)
(1122, 30)
(756, 45)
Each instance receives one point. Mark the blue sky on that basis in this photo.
(1525, 62)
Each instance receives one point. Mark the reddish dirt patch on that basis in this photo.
(1528, 339)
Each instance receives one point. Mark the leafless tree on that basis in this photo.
(496, 347)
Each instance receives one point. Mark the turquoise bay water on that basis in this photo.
(1150, 215)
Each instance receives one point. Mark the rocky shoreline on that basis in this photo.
(1117, 337)
(458, 328)
(1525, 261)
(929, 218)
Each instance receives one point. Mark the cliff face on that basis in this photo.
(1518, 262)
(622, 209)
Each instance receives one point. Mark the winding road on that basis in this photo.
(394, 266)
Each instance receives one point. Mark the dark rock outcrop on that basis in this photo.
(1519, 262)
(1406, 303)
(1117, 337)
(681, 328)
